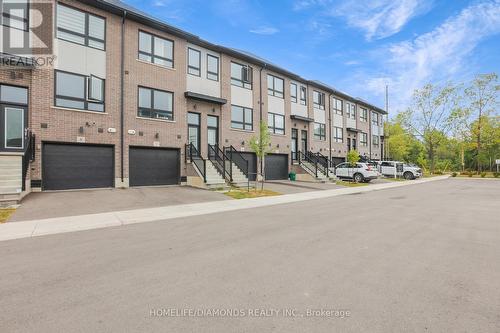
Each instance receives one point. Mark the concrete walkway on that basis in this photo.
(59, 225)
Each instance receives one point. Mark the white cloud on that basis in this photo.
(439, 55)
(264, 30)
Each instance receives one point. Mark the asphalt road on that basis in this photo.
(422, 258)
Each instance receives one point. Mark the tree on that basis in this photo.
(481, 96)
(429, 116)
(261, 146)
(352, 157)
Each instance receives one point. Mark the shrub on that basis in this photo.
(453, 174)
(438, 172)
(483, 174)
(470, 174)
(496, 174)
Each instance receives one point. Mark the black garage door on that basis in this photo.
(252, 164)
(276, 166)
(72, 166)
(153, 166)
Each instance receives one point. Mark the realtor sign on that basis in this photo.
(497, 161)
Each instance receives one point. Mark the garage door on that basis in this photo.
(153, 166)
(252, 164)
(276, 166)
(71, 166)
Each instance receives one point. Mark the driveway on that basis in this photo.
(40, 205)
(289, 187)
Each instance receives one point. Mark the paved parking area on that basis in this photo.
(67, 203)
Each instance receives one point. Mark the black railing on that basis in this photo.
(313, 165)
(193, 155)
(238, 159)
(221, 162)
(324, 163)
(28, 155)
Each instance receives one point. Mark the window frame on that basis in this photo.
(189, 67)
(322, 132)
(273, 129)
(86, 99)
(208, 68)
(247, 84)
(244, 122)
(375, 118)
(363, 114)
(303, 101)
(272, 91)
(335, 107)
(152, 54)
(25, 20)
(85, 35)
(152, 109)
(338, 139)
(363, 139)
(293, 98)
(350, 110)
(321, 95)
(375, 140)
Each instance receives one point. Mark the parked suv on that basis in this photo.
(407, 171)
(360, 172)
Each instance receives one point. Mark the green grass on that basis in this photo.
(5, 213)
(488, 175)
(244, 194)
(350, 184)
(394, 179)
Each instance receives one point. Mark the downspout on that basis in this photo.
(330, 129)
(260, 112)
(122, 102)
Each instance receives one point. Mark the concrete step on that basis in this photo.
(10, 190)
(10, 183)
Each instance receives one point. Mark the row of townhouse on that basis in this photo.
(128, 100)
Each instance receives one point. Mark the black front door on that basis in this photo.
(348, 144)
(194, 130)
(295, 143)
(212, 131)
(354, 144)
(303, 141)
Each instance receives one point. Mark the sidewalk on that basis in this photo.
(58, 225)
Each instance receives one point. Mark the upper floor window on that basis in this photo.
(241, 118)
(80, 27)
(156, 50)
(350, 110)
(319, 131)
(13, 95)
(338, 134)
(363, 115)
(319, 100)
(15, 14)
(276, 123)
(241, 75)
(375, 118)
(77, 91)
(156, 104)
(293, 92)
(194, 62)
(303, 95)
(275, 86)
(363, 139)
(375, 140)
(212, 67)
(337, 106)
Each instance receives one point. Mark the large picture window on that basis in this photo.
(80, 27)
(155, 104)
(78, 91)
(276, 123)
(241, 75)
(194, 62)
(241, 118)
(319, 131)
(156, 50)
(275, 86)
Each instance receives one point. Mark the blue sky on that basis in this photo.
(354, 45)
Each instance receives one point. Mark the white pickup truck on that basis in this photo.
(399, 169)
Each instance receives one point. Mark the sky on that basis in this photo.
(356, 46)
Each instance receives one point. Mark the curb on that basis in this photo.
(35, 228)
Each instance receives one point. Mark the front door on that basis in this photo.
(295, 143)
(212, 131)
(194, 130)
(348, 144)
(354, 144)
(303, 141)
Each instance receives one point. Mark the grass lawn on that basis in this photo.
(488, 175)
(244, 194)
(350, 184)
(5, 213)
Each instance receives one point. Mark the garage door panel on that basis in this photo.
(276, 166)
(149, 167)
(67, 166)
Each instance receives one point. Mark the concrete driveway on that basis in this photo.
(67, 203)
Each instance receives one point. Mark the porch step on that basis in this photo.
(308, 167)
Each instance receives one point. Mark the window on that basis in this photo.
(337, 106)
(363, 139)
(156, 104)
(14, 127)
(319, 100)
(338, 134)
(80, 27)
(212, 67)
(241, 118)
(15, 14)
(364, 115)
(350, 110)
(194, 62)
(241, 75)
(374, 118)
(274, 86)
(293, 92)
(303, 95)
(375, 140)
(156, 50)
(78, 91)
(276, 123)
(14, 95)
(13, 116)
(319, 131)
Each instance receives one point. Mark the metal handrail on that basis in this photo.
(301, 156)
(219, 159)
(322, 160)
(193, 155)
(238, 159)
(28, 155)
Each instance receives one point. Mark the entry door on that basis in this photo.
(295, 143)
(354, 144)
(212, 131)
(348, 144)
(194, 129)
(303, 141)
(13, 122)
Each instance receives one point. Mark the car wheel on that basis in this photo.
(358, 178)
(408, 175)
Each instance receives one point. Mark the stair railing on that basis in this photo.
(193, 155)
(238, 159)
(221, 162)
(28, 155)
(313, 163)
